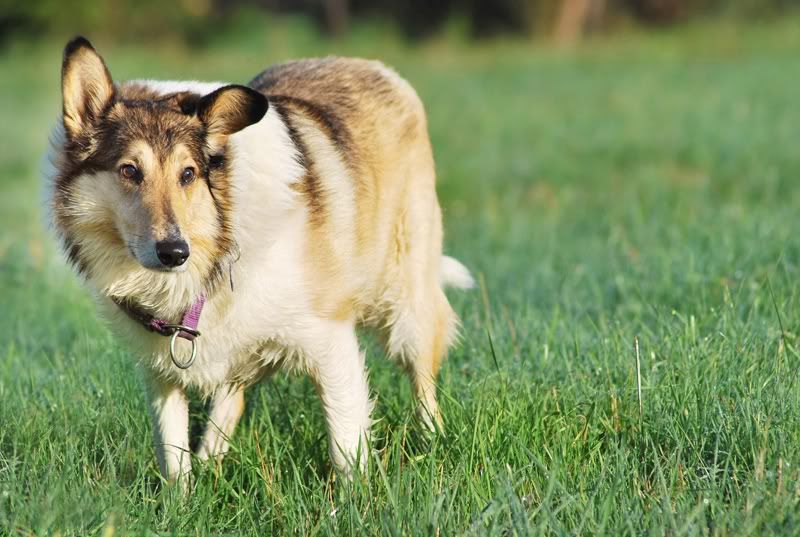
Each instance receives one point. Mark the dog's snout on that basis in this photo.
(172, 253)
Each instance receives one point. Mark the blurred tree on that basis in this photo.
(576, 17)
(182, 19)
(194, 20)
(337, 14)
(664, 11)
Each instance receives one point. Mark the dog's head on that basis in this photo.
(142, 173)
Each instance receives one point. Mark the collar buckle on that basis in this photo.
(186, 332)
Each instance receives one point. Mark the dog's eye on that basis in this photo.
(129, 171)
(187, 176)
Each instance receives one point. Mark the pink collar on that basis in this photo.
(187, 329)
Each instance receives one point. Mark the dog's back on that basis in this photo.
(376, 231)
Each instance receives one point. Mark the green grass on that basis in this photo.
(638, 186)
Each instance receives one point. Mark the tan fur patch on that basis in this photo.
(359, 107)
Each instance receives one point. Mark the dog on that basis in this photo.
(228, 231)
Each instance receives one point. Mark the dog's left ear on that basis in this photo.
(86, 86)
(230, 109)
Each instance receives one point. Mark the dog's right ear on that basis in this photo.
(86, 86)
(229, 110)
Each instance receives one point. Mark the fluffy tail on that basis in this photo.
(454, 274)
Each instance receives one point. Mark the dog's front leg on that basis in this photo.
(170, 411)
(337, 368)
(227, 407)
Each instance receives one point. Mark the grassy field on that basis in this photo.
(638, 186)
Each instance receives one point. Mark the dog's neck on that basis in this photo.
(162, 295)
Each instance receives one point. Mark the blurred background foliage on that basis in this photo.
(195, 21)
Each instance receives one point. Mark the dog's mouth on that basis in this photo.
(167, 270)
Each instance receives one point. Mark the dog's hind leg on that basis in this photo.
(337, 368)
(227, 406)
(424, 353)
(420, 323)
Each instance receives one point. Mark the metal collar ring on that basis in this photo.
(173, 355)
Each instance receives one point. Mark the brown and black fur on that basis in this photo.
(133, 112)
(313, 187)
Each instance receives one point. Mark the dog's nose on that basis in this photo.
(172, 253)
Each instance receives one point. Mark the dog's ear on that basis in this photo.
(86, 86)
(230, 109)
